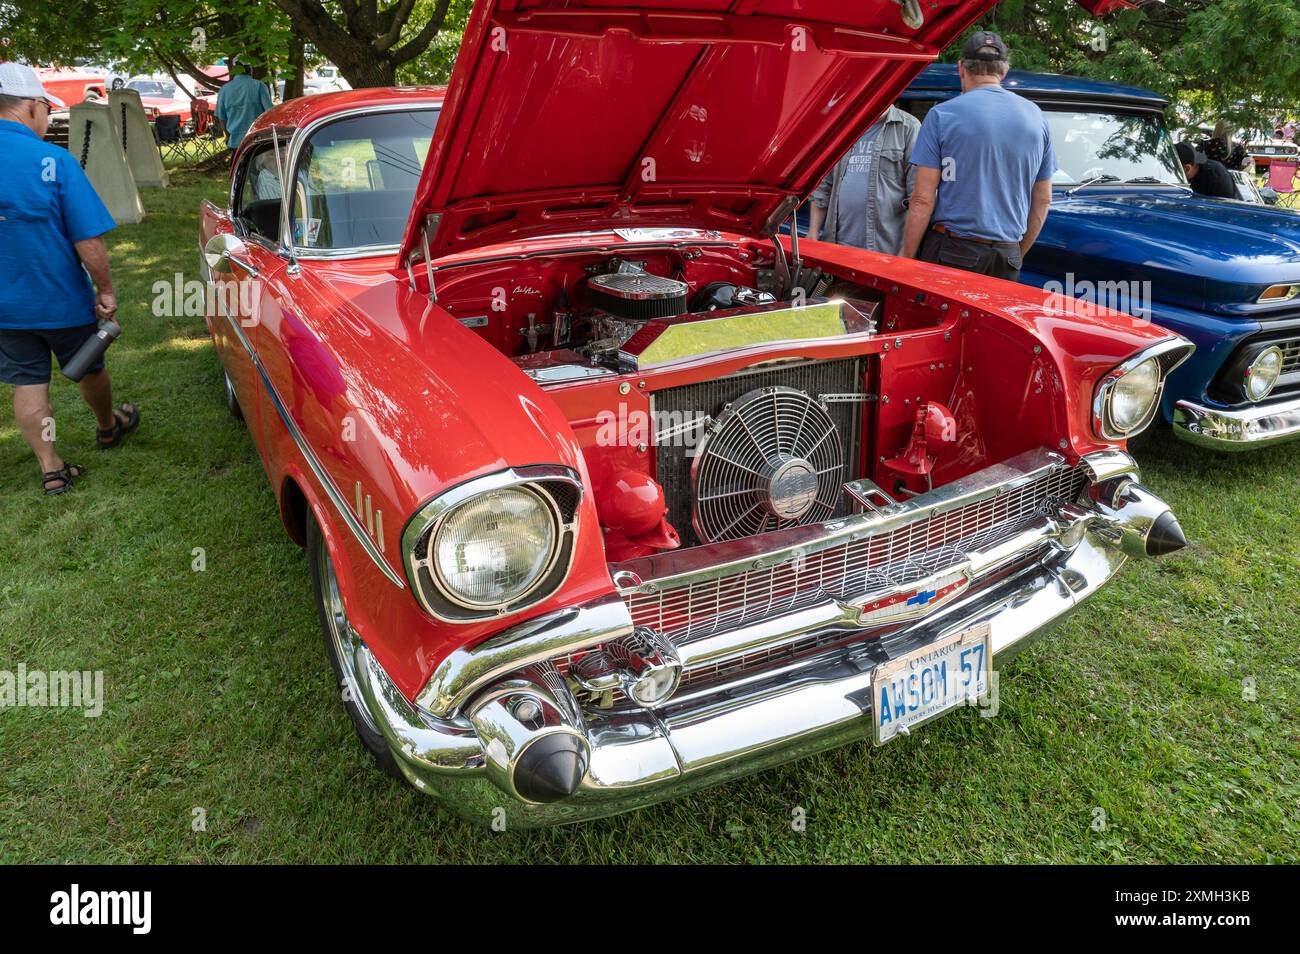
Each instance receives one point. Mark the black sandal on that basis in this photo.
(65, 475)
(126, 418)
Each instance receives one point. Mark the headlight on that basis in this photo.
(492, 550)
(1262, 374)
(1126, 399)
(495, 544)
(1134, 396)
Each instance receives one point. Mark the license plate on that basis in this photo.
(926, 683)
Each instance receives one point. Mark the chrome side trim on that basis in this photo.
(313, 462)
(1238, 430)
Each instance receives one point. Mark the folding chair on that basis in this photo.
(206, 141)
(1281, 179)
(167, 130)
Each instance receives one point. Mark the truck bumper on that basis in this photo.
(1237, 430)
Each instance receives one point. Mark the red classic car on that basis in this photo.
(610, 491)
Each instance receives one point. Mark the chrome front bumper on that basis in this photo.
(465, 750)
(1247, 429)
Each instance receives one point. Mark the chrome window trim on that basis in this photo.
(296, 144)
(434, 511)
(313, 462)
(1168, 354)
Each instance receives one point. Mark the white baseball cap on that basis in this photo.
(18, 79)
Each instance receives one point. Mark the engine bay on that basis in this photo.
(570, 317)
(720, 392)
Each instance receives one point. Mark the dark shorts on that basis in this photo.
(1000, 259)
(25, 355)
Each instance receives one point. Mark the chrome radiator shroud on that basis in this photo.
(839, 377)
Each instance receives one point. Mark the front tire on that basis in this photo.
(232, 402)
(341, 642)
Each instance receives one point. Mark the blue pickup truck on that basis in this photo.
(1126, 231)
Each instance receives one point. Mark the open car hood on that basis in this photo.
(579, 115)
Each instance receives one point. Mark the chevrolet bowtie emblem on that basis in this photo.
(913, 601)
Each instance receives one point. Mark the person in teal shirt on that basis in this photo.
(239, 103)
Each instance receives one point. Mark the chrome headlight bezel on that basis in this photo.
(1249, 372)
(1165, 356)
(558, 488)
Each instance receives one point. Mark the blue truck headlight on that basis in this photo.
(1261, 374)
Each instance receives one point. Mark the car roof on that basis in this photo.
(942, 77)
(303, 110)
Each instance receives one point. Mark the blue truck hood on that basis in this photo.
(1196, 252)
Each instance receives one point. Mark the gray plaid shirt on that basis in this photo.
(892, 178)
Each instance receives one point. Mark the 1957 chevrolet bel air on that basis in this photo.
(607, 493)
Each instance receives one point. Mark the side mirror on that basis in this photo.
(218, 251)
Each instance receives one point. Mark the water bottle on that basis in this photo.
(90, 352)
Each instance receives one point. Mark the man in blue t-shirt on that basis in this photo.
(51, 235)
(984, 166)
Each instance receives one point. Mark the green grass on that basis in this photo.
(219, 696)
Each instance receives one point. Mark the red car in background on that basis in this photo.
(72, 85)
(163, 96)
(610, 491)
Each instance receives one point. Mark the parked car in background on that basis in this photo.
(608, 492)
(326, 78)
(1264, 149)
(163, 96)
(1124, 228)
(72, 85)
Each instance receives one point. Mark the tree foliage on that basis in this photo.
(1216, 59)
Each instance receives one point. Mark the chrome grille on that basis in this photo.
(1290, 355)
(696, 610)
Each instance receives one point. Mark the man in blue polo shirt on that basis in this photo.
(51, 228)
(240, 102)
(984, 166)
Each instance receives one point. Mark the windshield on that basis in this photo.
(152, 88)
(1112, 147)
(356, 179)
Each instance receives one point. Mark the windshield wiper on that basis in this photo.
(1100, 177)
(1148, 179)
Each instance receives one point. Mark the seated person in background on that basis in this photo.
(266, 183)
(1206, 176)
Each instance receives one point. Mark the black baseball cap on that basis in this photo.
(1188, 155)
(984, 46)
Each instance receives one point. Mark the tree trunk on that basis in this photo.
(294, 85)
(365, 69)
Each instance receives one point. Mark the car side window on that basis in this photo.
(356, 179)
(257, 203)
